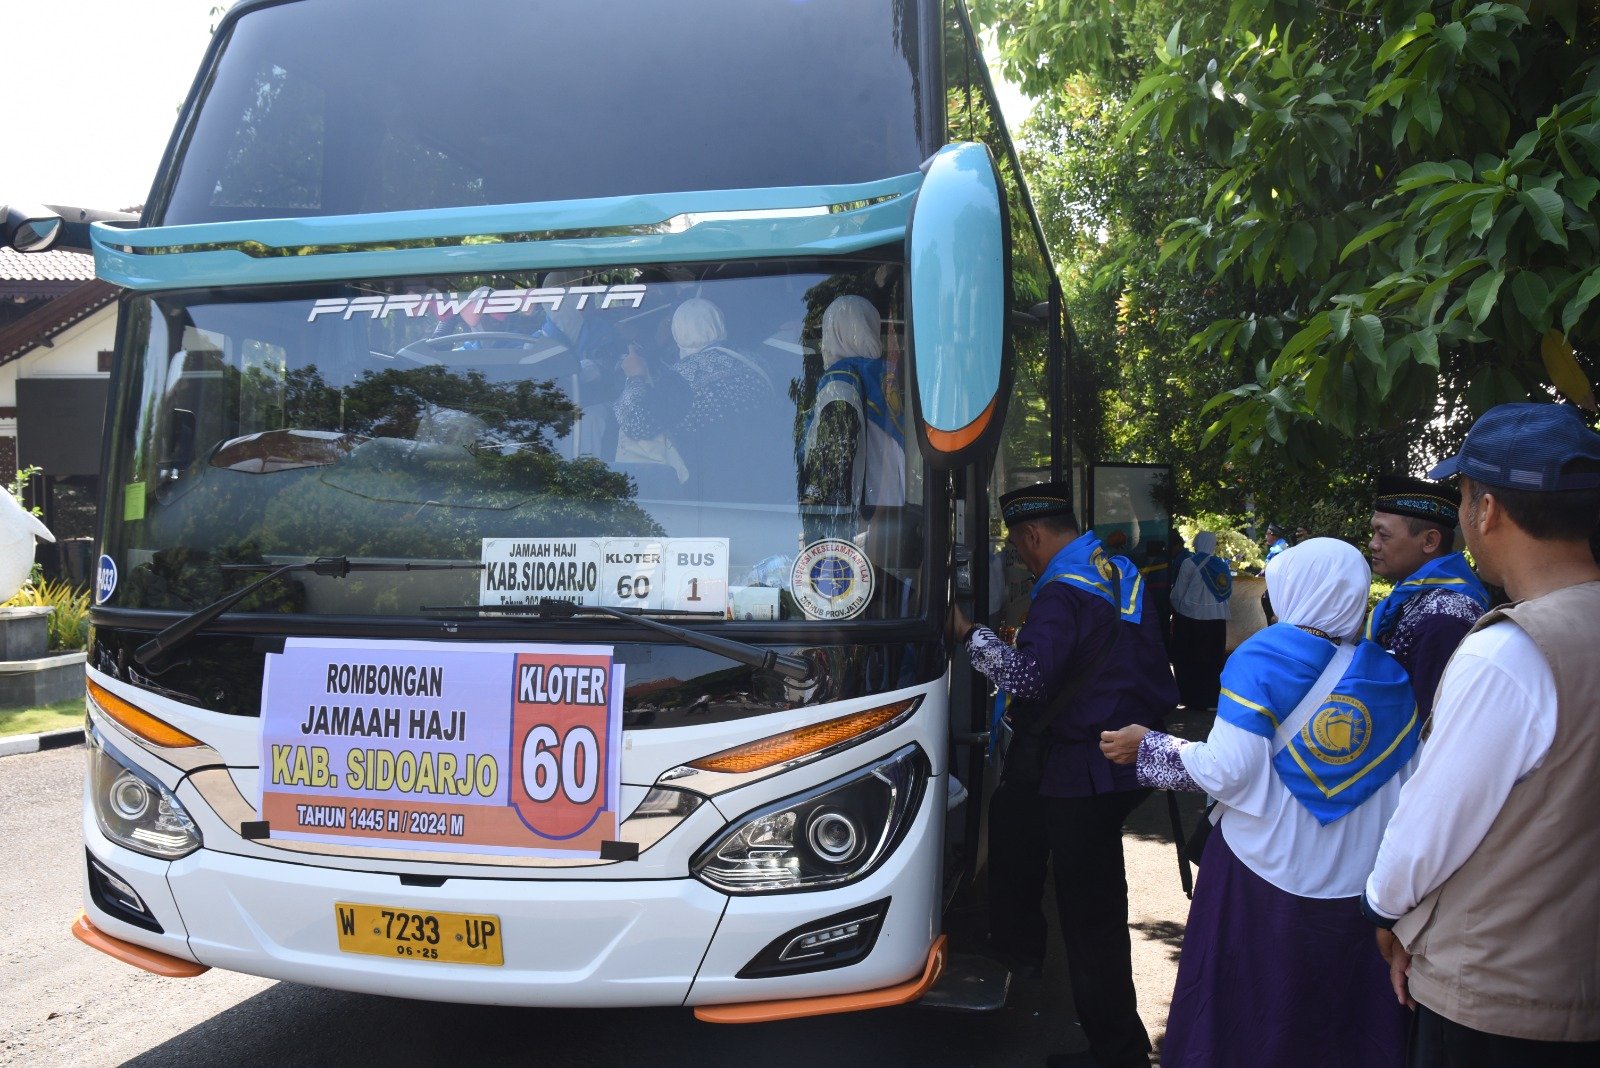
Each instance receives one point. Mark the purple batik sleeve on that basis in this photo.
(1013, 671)
(1159, 765)
(1046, 652)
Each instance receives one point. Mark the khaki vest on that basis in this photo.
(1510, 943)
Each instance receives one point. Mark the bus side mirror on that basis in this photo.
(42, 227)
(29, 227)
(958, 247)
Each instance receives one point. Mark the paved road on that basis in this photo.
(62, 1003)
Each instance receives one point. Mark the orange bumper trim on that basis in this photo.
(795, 1008)
(149, 959)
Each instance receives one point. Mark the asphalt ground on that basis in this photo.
(62, 1003)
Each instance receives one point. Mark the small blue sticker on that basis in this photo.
(105, 580)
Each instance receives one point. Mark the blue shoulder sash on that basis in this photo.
(1446, 573)
(865, 375)
(1083, 563)
(1215, 576)
(1360, 737)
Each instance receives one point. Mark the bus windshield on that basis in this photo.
(317, 108)
(721, 438)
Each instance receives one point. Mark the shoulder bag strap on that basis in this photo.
(1315, 696)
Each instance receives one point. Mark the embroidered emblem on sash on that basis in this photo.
(1102, 563)
(1339, 731)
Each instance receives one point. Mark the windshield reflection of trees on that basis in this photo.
(421, 464)
(413, 436)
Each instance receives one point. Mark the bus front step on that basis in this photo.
(970, 983)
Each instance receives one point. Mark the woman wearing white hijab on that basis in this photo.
(853, 444)
(707, 405)
(1316, 731)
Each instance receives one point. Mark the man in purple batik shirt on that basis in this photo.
(1436, 597)
(1076, 812)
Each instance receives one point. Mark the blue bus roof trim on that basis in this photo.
(254, 252)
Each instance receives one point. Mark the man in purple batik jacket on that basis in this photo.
(1437, 597)
(1075, 814)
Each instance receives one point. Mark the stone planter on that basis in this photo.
(31, 676)
(24, 632)
(41, 681)
(1245, 607)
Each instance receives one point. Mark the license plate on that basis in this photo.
(418, 934)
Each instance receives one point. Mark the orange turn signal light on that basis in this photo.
(803, 741)
(137, 720)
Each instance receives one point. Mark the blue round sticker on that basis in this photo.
(105, 580)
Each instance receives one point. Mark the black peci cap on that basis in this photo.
(1044, 501)
(1417, 498)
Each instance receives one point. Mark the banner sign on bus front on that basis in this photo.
(505, 749)
(663, 574)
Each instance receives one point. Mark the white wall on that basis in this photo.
(75, 354)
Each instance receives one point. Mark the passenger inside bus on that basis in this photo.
(710, 405)
(597, 346)
(853, 442)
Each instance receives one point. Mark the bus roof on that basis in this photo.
(310, 108)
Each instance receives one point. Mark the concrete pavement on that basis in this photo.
(62, 1003)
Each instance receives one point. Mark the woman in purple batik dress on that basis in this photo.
(1316, 731)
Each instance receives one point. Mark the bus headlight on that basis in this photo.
(134, 809)
(833, 834)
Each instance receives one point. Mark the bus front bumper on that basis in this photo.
(567, 943)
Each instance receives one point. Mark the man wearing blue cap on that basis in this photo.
(1489, 872)
(1089, 658)
(1437, 597)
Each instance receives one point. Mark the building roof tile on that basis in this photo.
(43, 324)
(45, 266)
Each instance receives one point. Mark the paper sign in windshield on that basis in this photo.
(429, 745)
(668, 574)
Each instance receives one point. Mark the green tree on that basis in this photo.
(1105, 199)
(1383, 212)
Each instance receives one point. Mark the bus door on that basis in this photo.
(1130, 507)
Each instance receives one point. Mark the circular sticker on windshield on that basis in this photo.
(105, 580)
(831, 580)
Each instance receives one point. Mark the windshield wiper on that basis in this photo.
(329, 566)
(790, 667)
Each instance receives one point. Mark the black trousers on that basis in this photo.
(1084, 836)
(1440, 1043)
(1199, 649)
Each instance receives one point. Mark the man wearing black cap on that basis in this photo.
(1275, 543)
(1089, 658)
(1436, 598)
(1489, 872)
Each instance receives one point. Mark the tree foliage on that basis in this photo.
(1367, 219)
(1105, 200)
